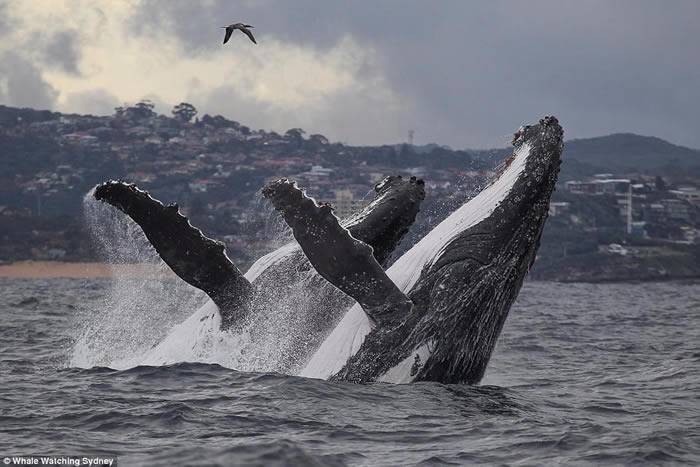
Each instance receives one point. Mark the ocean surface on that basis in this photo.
(583, 375)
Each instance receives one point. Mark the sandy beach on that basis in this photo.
(56, 269)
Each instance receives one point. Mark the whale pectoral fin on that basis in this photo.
(385, 220)
(337, 256)
(198, 260)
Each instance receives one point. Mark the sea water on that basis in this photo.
(582, 374)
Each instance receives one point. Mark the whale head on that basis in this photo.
(462, 277)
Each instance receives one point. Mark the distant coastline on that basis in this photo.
(615, 271)
(77, 270)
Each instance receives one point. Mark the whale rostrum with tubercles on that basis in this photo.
(433, 315)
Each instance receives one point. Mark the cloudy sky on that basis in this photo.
(463, 73)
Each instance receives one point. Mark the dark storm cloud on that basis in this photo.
(62, 49)
(22, 85)
(474, 72)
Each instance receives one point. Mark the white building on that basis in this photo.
(689, 194)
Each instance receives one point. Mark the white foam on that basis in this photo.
(347, 337)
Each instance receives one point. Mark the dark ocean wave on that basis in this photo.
(606, 377)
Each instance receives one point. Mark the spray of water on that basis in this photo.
(151, 317)
(144, 299)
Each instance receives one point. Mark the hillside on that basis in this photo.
(615, 153)
(213, 167)
(626, 151)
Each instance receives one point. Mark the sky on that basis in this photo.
(460, 73)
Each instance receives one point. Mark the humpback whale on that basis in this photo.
(252, 300)
(433, 315)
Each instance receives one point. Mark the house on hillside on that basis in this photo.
(598, 186)
(689, 194)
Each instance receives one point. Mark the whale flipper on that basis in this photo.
(312, 306)
(198, 260)
(337, 256)
(383, 222)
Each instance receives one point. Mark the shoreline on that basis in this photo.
(94, 270)
(75, 270)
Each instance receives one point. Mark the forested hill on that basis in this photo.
(618, 153)
(623, 152)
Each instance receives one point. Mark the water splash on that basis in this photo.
(264, 226)
(144, 300)
(151, 317)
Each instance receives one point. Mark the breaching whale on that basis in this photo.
(252, 301)
(435, 314)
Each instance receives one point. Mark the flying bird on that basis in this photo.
(241, 27)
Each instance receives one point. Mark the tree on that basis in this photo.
(295, 136)
(217, 121)
(184, 112)
(294, 133)
(318, 139)
(142, 110)
(145, 107)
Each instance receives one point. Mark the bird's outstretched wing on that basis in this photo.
(247, 32)
(229, 31)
